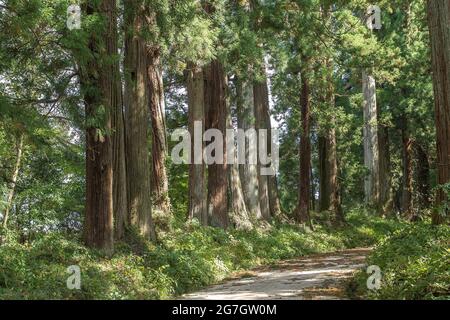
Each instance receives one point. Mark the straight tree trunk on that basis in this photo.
(303, 215)
(261, 106)
(99, 84)
(14, 177)
(386, 203)
(328, 160)
(269, 202)
(423, 177)
(216, 118)
(371, 148)
(439, 25)
(274, 199)
(335, 195)
(330, 199)
(238, 214)
(313, 189)
(120, 190)
(137, 124)
(331, 157)
(159, 180)
(324, 186)
(197, 186)
(407, 180)
(248, 171)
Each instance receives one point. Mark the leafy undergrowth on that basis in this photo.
(415, 265)
(186, 259)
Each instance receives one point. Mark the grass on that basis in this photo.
(188, 258)
(415, 265)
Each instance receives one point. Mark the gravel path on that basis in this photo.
(314, 277)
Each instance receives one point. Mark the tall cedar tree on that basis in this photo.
(249, 170)
(439, 25)
(99, 77)
(304, 196)
(159, 178)
(137, 122)
(196, 109)
(216, 118)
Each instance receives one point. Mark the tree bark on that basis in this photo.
(439, 25)
(330, 199)
(197, 186)
(159, 180)
(216, 118)
(324, 186)
(312, 188)
(423, 177)
(120, 190)
(407, 180)
(248, 171)
(332, 158)
(335, 195)
(371, 148)
(137, 124)
(274, 200)
(99, 84)
(386, 202)
(14, 177)
(238, 214)
(261, 102)
(303, 215)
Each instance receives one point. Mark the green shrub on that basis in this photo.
(188, 258)
(414, 262)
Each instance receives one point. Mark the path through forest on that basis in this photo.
(314, 277)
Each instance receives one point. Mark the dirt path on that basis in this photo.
(314, 277)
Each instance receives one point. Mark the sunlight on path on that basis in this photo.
(313, 277)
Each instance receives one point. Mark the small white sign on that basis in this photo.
(74, 17)
(74, 280)
(374, 17)
(374, 280)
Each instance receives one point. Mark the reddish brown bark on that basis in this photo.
(439, 25)
(99, 84)
(137, 124)
(120, 190)
(216, 118)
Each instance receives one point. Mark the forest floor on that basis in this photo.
(313, 277)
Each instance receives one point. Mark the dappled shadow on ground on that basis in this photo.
(314, 277)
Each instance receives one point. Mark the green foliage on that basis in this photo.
(42, 63)
(189, 258)
(414, 262)
(444, 208)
